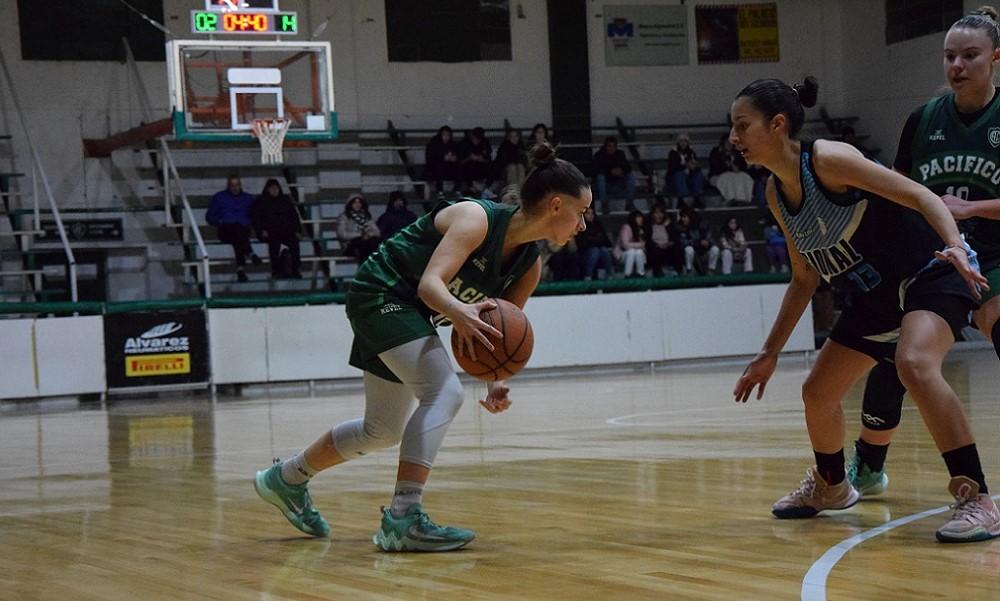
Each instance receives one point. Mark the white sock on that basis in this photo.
(296, 470)
(407, 493)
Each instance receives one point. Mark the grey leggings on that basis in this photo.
(427, 374)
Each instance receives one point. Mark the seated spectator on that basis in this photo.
(776, 249)
(595, 246)
(441, 168)
(661, 242)
(735, 185)
(564, 262)
(512, 159)
(684, 172)
(632, 246)
(699, 253)
(539, 134)
(475, 157)
(277, 223)
(613, 174)
(357, 232)
(735, 247)
(229, 213)
(720, 160)
(396, 215)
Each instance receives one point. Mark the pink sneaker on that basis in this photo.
(975, 516)
(813, 496)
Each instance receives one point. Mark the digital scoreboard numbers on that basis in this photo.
(244, 21)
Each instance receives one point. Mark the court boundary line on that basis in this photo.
(814, 581)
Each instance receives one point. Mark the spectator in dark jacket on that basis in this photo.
(277, 223)
(595, 247)
(512, 159)
(441, 161)
(612, 173)
(229, 213)
(476, 158)
(396, 215)
(696, 243)
(684, 171)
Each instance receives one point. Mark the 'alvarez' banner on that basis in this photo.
(737, 33)
(645, 35)
(153, 348)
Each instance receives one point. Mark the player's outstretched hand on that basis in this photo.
(959, 258)
(465, 319)
(496, 397)
(756, 374)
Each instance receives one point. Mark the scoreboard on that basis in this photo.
(244, 16)
(273, 23)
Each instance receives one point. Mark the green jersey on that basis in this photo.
(382, 301)
(951, 155)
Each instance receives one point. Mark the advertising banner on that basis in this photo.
(737, 33)
(155, 348)
(645, 35)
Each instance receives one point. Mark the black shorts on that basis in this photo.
(871, 324)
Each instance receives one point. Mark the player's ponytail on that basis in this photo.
(549, 175)
(984, 18)
(773, 97)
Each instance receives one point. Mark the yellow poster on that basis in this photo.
(157, 365)
(759, 33)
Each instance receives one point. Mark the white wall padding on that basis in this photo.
(17, 355)
(238, 345)
(307, 343)
(70, 352)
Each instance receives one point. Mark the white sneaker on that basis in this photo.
(975, 516)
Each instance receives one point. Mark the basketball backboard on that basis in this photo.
(217, 88)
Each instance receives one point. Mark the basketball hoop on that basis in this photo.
(271, 134)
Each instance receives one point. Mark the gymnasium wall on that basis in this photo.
(70, 100)
(885, 83)
(63, 356)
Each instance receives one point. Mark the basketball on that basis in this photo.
(511, 353)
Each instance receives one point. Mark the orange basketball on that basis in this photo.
(510, 355)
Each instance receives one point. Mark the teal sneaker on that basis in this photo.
(867, 482)
(416, 532)
(293, 501)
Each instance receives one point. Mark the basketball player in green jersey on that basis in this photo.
(951, 145)
(442, 267)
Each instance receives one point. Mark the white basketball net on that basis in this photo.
(271, 134)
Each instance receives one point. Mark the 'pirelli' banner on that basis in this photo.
(153, 348)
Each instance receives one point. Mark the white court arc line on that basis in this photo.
(814, 582)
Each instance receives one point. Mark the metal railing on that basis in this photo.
(171, 178)
(38, 176)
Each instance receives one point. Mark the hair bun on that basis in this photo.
(986, 11)
(542, 155)
(807, 91)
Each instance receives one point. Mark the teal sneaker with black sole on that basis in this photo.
(293, 501)
(416, 532)
(867, 482)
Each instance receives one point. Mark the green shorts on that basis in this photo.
(380, 328)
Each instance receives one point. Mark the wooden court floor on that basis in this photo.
(642, 485)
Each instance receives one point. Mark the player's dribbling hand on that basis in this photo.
(496, 397)
(465, 319)
(959, 258)
(960, 209)
(756, 374)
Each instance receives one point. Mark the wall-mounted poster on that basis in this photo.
(645, 35)
(737, 33)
